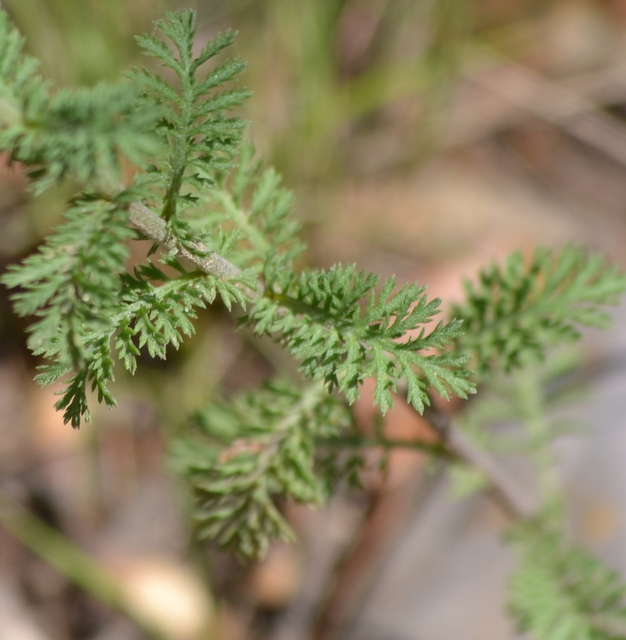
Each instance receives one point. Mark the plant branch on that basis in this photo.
(155, 228)
(514, 496)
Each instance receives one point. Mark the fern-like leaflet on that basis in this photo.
(258, 448)
(319, 317)
(73, 286)
(78, 133)
(560, 592)
(524, 308)
(201, 140)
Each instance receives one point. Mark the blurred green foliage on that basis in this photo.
(323, 71)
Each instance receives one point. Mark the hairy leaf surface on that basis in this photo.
(343, 331)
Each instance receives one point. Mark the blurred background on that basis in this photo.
(422, 138)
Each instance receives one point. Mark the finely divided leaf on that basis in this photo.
(259, 448)
(319, 317)
(78, 133)
(72, 284)
(560, 592)
(523, 308)
(201, 139)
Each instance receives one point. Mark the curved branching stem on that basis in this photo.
(515, 498)
(153, 227)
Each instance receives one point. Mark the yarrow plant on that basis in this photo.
(220, 232)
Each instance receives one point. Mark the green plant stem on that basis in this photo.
(533, 409)
(71, 562)
(155, 228)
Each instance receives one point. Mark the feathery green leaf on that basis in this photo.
(256, 449)
(522, 308)
(319, 317)
(202, 141)
(559, 592)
